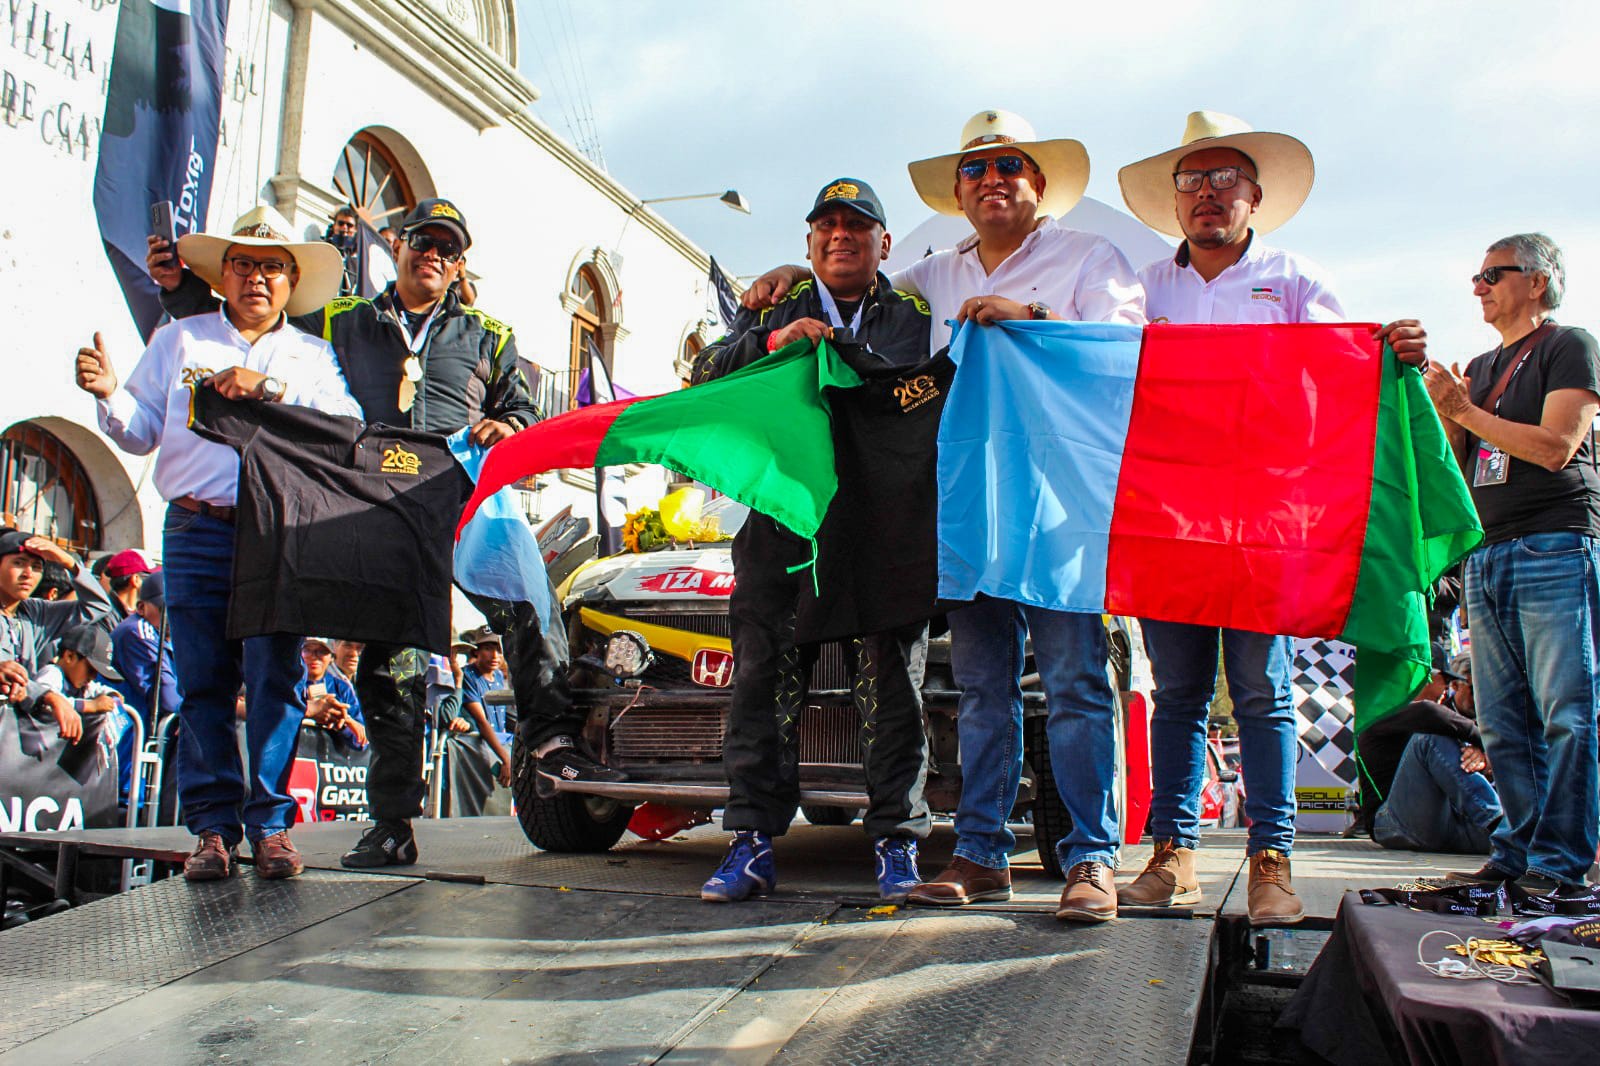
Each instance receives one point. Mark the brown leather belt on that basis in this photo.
(211, 510)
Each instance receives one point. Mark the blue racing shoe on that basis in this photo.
(897, 868)
(747, 871)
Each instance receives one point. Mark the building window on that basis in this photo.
(692, 344)
(588, 315)
(46, 490)
(371, 178)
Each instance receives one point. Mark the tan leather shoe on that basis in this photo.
(962, 882)
(1169, 880)
(212, 860)
(1090, 895)
(276, 858)
(1271, 899)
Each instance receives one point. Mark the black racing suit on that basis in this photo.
(771, 675)
(469, 372)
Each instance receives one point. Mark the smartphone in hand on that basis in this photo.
(162, 224)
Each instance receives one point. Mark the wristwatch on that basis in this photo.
(272, 389)
(1039, 310)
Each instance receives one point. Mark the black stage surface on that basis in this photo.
(612, 958)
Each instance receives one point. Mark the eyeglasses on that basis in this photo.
(449, 251)
(1492, 275)
(1007, 166)
(245, 267)
(1221, 178)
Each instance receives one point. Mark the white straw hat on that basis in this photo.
(1064, 163)
(321, 265)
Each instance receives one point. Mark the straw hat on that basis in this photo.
(1283, 166)
(321, 265)
(1064, 163)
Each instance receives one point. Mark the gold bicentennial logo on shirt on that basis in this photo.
(913, 392)
(396, 460)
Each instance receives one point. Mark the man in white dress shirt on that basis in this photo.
(1223, 187)
(245, 350)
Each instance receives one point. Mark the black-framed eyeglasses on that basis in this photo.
(1492, 275)
(245, 267)
(1007, 166)
(1221, 178)
(449, 251)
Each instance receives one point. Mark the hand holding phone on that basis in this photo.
(162, 259)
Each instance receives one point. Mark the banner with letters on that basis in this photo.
(48, 785)
(329, 778)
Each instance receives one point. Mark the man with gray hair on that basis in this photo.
(1520, 421)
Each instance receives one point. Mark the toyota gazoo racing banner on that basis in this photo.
(329, 778)
(48, 785)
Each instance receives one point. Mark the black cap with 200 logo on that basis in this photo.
(438, 212)
(850, 192)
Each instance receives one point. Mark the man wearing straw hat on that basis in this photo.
(244, 350)
(1218, 191)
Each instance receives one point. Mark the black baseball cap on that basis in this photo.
(153, 589)
(435, 211)
(1442, 664)
(93, 644)
(851, 192)
(12, 541)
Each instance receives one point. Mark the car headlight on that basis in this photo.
(628, 654)
(595, 576)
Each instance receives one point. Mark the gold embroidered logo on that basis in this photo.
(844, 190)
(443, 210)
(193, 375)
(396, 460)
(916, 391)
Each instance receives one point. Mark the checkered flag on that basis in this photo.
(1323, 678)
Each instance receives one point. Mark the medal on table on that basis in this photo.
(408, 382)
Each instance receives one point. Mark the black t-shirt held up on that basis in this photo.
(1533, 499)
(344, 527)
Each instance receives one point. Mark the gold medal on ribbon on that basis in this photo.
(408, 383)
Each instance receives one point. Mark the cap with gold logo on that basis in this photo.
(438, 212)
(850, 192)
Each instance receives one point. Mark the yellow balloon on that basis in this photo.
(680, 512)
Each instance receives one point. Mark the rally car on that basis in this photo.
(653, 668)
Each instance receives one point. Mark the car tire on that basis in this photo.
(567, 821)
(1051, 822)
(818, 815)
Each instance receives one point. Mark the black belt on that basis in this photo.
(210, 510)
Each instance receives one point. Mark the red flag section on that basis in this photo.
(1267, 489)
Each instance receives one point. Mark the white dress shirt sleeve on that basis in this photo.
(910, 279)
(1108, 288)
(319, 384)
(135, 413)
(1319, 304)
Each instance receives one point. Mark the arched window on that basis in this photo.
(588, 306)
(46, 489)
(686, 356)
(371, 178)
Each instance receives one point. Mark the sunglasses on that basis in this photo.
(449, 251)
(1492, 275)
(1007, 166)
(1221, 178)
(246, 267)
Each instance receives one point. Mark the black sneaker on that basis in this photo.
(385, 844)
(571, 763)
(1487, 874)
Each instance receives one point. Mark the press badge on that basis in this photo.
(1493, 466)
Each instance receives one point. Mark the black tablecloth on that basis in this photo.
(1366, 1001)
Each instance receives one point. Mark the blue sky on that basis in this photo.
(1436, 127)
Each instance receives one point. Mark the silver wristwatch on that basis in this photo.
(272, 389)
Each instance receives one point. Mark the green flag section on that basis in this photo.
(761, 435)
(1420, 522)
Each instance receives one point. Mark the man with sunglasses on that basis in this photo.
(414, 356)
(1218, 191)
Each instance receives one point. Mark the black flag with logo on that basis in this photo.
(159, 135)
(374, 261)
(727, 302)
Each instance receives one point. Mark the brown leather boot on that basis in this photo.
(1169, 880)
(276, 858)
(963, 881)
(1090, 896)
(1271, 898)
(212, 860)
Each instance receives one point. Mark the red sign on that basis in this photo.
(713, 668)
(303, 787)
(689, 579)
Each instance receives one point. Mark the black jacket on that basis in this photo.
(469, 363)
(1383, 743)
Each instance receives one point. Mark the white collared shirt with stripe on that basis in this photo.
(1266, 285)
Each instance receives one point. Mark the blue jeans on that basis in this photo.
(198, 561)
(1183, 659)
(1534, 604)
(1070, 651)
(1435, 805)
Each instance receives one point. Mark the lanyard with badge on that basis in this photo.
(831, 309)
(1493, 466)
(413, 365)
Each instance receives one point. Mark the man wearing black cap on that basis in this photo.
(848, 300)
(138, 651)
(415, 356)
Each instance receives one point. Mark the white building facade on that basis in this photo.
(379, 102)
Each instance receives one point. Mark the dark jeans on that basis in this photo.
(198, 558)
(1435, 805)
(761, 750)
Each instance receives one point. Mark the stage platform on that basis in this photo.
(491, 951)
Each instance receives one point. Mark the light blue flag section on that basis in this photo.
(497, 555)
(1030, 447)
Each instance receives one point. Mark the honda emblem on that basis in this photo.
(713, 668)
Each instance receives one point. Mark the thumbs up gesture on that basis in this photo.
(95, 375)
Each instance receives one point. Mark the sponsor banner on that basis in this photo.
(680, 582)
(48, 785)
(329, 778)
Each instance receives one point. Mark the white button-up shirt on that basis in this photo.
(1080, 276)
(151, 409)
(1266, 285)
